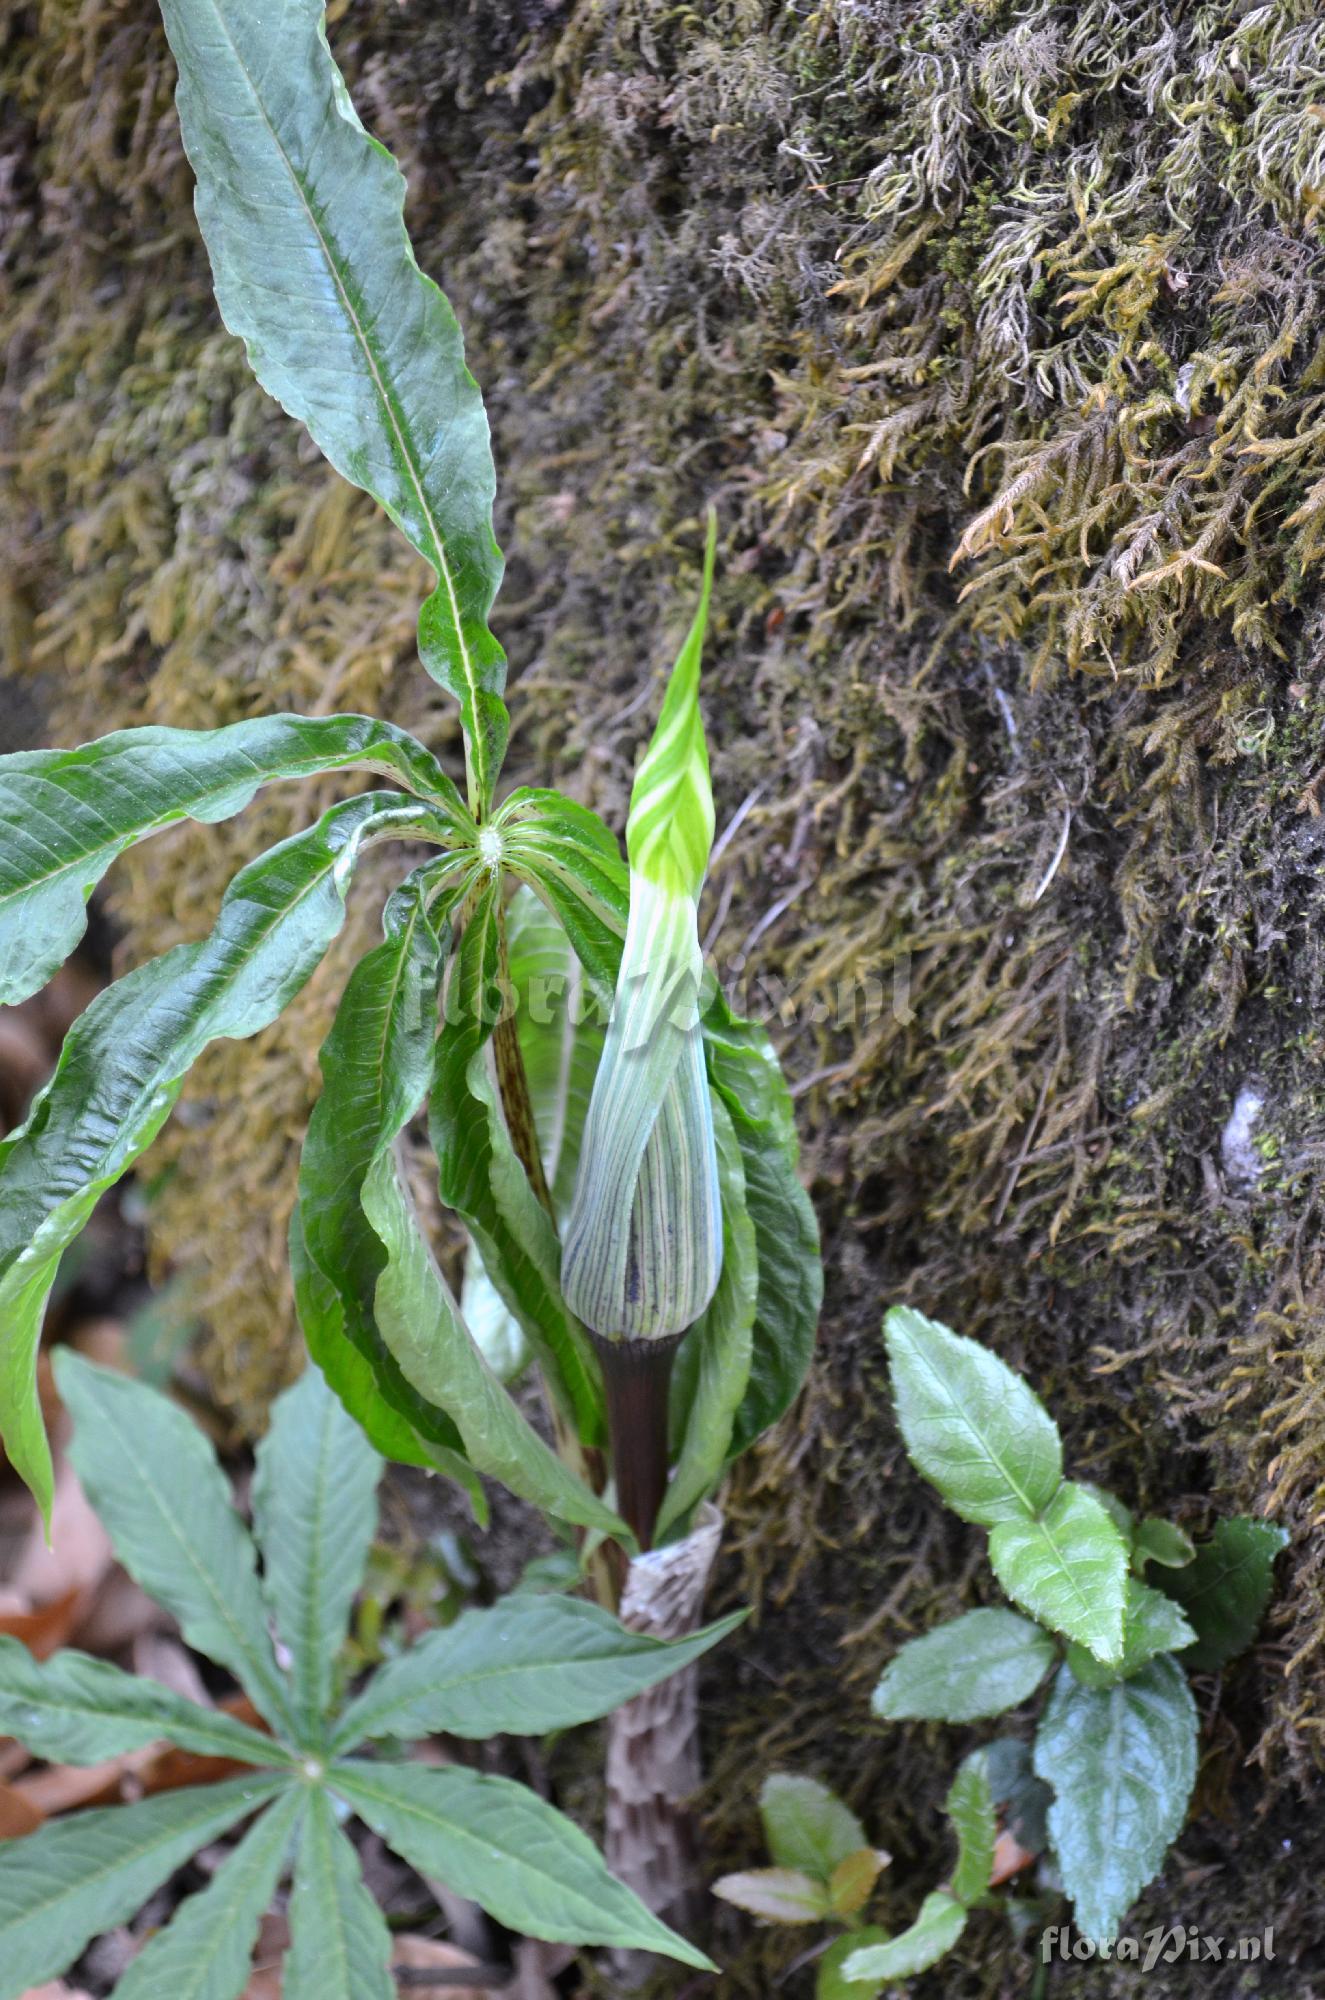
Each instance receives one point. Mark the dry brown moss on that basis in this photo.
(1033, 289)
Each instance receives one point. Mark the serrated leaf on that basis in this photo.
(340, 1947)
(206, 1950)
(976, 1665)
(421, 1325)
(970, 1807)
(525, 1863)
(852, 1881)
(314, 1516)
(302, 214)
(831, 1982)
(73, 1709)
(806, 1825)
(1068, 1568)
(775, 1895)
(1163, 1543)
(941, 1921)
(1117, 1510)
(66, 814)
(1226, 1589)
(1024, 1798)
(712, 1367)
(376, 1063)
(123, 1065)
(971, 1426)
(1152, 1623)
(1122, 1762)
(79, 1876)
(154, 1481)
(529, 1664)
(480, 1177)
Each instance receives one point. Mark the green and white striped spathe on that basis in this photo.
(643, 1250)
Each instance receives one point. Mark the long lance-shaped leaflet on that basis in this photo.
(124, 1062)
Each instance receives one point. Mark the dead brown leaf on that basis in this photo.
(56, 1990)
(17, 1816)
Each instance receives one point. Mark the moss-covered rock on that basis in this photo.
(995, 333)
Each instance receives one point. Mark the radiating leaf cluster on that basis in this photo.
(531, 1664)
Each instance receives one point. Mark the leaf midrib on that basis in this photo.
(159, 822)
(258, 1665)
(987, 1450)
(62, 1892)
(476, 774)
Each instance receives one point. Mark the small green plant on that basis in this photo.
(1116, 1739)
(532, 1663)
(679, 1323)
(825, 1871)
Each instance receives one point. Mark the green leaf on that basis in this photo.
(376, 1063)
(571, 861)
(354, 1378)
(560, 1032)
(560, 1037)
(1117, 1510)
(851, 1883)
(496, 1842)
(976, 1665)
(712, 1367)
(302, 214)
(340, 1947)
(1225, 1591)
(1068, 1568)
(747, 1079)
(66, 814)
(314, 1515)
(154, 1481)
(1152, 1623)
(77, 1877)
(206, 1950)
(971, 1426)
(970, 1806)
(776, 1895)
(124, 1062)
(807, 1826)
(422, 1327)
(1023, 1798)
(483, 1181)
(1122, 1762)
(1161, 1542)
(526, 1665)
(831, 1983)
(74, 1709)
(941, 1921)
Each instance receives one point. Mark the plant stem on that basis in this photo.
(637, 1375)
(605, 1570)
